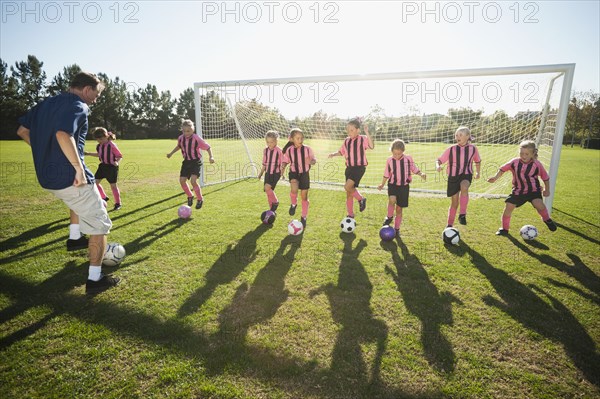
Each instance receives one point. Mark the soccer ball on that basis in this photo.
(387, 233)
(348, 225)
(295, 227)
(184, 211)
(114, 255)
(451, 236)
(529, 232)
(268, 217)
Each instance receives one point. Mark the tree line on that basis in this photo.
(145, 112)
(130, 111)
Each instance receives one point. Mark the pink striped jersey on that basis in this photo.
(108, 153)
(525, 175)
(398, 171)
(191, 146)
(299, 158)
(272, 160)
(354, 150)
(460, 159)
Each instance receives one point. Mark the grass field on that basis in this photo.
(223, 307)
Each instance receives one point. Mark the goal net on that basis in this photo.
(501, 106)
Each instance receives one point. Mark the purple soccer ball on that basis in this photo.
(184, 212)
(387, 233)
(267, 217)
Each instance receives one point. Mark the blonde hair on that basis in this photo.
(397, 145)
(187, 122)
(272, 134)
(529, 144)
(465, 130)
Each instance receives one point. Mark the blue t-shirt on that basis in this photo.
(66, 112)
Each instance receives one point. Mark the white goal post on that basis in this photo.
(501, 106)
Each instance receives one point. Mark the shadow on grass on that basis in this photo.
(577, 233)
(256, 303)
(350, 302)
(423, 300)
(298, 376)
(225, 269)
(554, 321)
(578, 270)
(12, 243)
(575, 217)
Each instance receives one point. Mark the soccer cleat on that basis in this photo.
(387, 221)
(293, 209)
(462, 219)
(362, 204)
(105, 199)
(398, 233)
(303, 221)
(117, 207)
(502, 232)
(274, 206)
(190, 201)
(551, 225)
(75, 245)
(199, 204)
(105, 282)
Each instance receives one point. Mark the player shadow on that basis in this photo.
(225, 269)
(575, 217)
(578, 291)
(127, 213)
(351, 310)
(256, 303)
(422, 299)
(578, 233)
(552, 320)
(578, 270)
(534, 244)
(55, 287)
(23, 238)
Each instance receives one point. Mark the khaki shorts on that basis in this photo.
(85, 201)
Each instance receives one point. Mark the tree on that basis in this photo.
(31, 80)
(185, 105)
(62, 81)
(10, 106)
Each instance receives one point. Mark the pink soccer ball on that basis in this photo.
(184, 212)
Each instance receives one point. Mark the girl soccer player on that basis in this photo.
(191, 145)
(109, 155)
(398, 170)
(300, 158)
(354, 150)
(460, 158)
(271, 164)
(526, 186)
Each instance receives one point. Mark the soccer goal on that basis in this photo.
(501, 106)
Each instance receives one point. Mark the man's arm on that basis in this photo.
(68, 147)
(23, 133)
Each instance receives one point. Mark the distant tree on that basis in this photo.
(185, 105)
(61, 82)
(11, 108)
(31, 79)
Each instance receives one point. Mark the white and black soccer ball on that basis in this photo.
(529, 232)
(348, 225)
(114, 255)
(451, 236)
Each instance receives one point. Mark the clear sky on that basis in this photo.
(173, 44)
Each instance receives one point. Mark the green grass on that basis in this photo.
(222, 307)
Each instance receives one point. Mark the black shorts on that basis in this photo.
(454, 183)
(272, 179)
(519, 200)
(355, 173)
(108, 172)
(401, 194)
(303, 179)
(190, 167)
